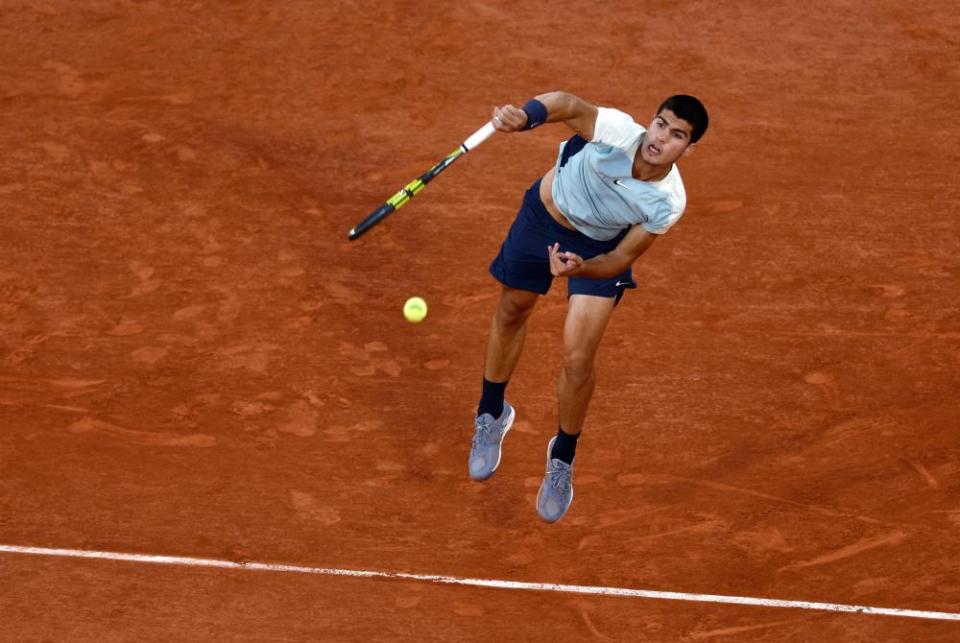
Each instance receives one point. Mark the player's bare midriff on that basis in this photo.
(546, 195)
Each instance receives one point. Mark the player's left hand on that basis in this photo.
(563, 264)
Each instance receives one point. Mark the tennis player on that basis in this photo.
(614, 190)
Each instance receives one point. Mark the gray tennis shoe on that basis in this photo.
(556, 490)
(487, 439)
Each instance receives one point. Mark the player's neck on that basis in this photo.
(648, 172)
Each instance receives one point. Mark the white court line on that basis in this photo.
(478, 582)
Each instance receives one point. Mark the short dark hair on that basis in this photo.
(691, 110)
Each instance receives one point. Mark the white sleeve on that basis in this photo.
(616, 128)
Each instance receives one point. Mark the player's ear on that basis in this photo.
(689, 150)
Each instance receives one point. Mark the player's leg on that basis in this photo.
(495, 416)
(508, 329)
(523, 269)
(586, 321)
(587, 318)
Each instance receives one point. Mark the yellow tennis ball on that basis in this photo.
(415, 310)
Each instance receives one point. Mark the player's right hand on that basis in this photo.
(508, 118)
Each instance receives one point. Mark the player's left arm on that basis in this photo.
(610, 264)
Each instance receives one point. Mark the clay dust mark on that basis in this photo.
(365, 362)
(308, 508)
(149, 354)
(205, 234)
(526, 427)
(585, 615)
(723, 206)
(634, 479)
(925, 474)
(301, 421)
(22, 391)
(178, 99)
(64, 407)
(126, 327)
(890, 290)
(709, 526)
(70, 83)
(252, 356)
(839, 332)
(56, 151)
(859, 547)
(28, 348)
(467, 301)
(763, 540)
(341, 293)
(228, 309)
(620, 516)
(953, 515)
(826, 382)
(63, 383)
(92, 425)
(406, 602)
(730, 631)
(856, 428)
(144, 274)
(345, 433)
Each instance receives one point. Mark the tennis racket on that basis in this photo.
(413, 188)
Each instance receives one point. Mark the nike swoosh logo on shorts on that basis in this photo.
(621, 184)
(621, 283)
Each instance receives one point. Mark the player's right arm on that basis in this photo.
(562, 107)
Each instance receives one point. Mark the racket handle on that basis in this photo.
(478, 137)
(372, 219)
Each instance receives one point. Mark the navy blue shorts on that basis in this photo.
(523, 261)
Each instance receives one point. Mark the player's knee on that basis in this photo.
(578, 368)
(513, 312)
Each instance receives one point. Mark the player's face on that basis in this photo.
(667, 139)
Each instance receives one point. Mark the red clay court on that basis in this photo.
(195, 363)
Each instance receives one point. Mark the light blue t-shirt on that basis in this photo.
(596, 191)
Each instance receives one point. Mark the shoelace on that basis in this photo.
(560, 474)
(482, 435)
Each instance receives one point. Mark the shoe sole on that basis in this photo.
(540, 492)
(509, 423)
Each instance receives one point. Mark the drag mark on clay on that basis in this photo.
(709, 526)
(585, 615)
(862, 545)
(23, 391)
(858, 428)
(925, 474)
(730, 631)
(633, 479)
(147, 438)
